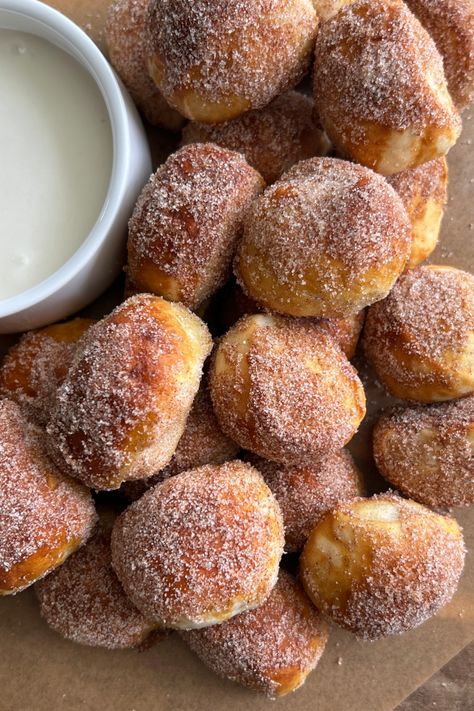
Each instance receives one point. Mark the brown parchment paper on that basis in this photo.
(39, 671)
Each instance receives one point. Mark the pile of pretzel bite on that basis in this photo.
(215, 403)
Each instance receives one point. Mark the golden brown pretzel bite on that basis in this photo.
(186, 223)
(215, 59)
(424, 192)
(200, 547)
(123, 406)
(125, 38)
(284, 390)
(326, 240)
(271, 649)
(383, 565)
(305, 494)
(272, 139)
(380, 87)
(84, 601)
(44, 515)
(451, 25)
(34, 368)
(420, 339)
(428, 452)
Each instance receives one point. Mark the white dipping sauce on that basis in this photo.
(55, 159)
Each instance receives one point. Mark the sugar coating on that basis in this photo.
(282, 389)
(200, 547)
(386, 79)
(451, 25)
(419, 339)
(383, 565)
(85, 603)
(123, 406)
(33, 369)
(125, 38)
(43, 514)
(226, 50)
(272, 139)
(428, 452)
(187, 220)
(202, 442)
(426, 182)
(271, 649)
(324, 216)
(305, 494)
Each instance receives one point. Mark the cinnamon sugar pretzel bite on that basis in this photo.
(215, 59)
(326, 240)
(380, 87)
(420, 339)
(271, 649)
(123, 406)
(305, 494)
(272, 139)
(125, 39)
(427, 452)
(424, 193)
(383, 565)
(84, 602)
(201, 547)
(451, 25)
(44, 515)
(186, 223)
(34, 368)
(284, 390)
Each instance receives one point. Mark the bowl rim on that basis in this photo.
(98, 67)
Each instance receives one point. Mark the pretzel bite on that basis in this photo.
(380, 87)
(215, 59)
(284, 390)
(44, 516)
(34, 368)
(383, 565)
(125, 38)
(424, 192)
(272, 139)
(328, 239)
(420, 339)
(427, 451)
(123, 406)
(202, 442)
(271, 649)
(451, 25)
(305, 494)
(184, 229)
(85, 603)
(200, 547)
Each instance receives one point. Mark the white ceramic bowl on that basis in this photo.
(100, 257)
